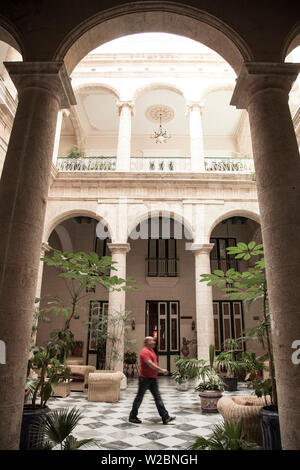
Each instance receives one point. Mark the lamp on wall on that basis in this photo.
(193, 325)
(133, 324)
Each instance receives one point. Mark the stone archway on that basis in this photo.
(152, 17)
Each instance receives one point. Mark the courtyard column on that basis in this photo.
(194, 110)
(43, 88)
(45, 247)
(57, 136)
(124, 137)
(263, 89)
(204, 300)
(117, 308)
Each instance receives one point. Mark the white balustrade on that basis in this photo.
(86, 164)
(229, 165)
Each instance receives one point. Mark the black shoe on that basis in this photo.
(169, 419)
(135, 420)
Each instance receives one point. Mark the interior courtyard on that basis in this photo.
(158, 135)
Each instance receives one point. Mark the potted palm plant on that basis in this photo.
(231, 362)
(47, 362)
(211, 386)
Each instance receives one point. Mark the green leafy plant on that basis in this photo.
(226, 436)
(76, 152)
(49, 360)
(81, 272)
(186, 369)
(107, 330)
(230, 360)
(130, 357)
(250, 286)
(56, 429)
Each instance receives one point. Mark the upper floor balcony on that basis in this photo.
(155, 164)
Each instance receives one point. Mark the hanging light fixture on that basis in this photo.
(161, 135)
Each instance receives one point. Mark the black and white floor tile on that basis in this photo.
(108, 422)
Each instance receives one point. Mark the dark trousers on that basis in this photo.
(151, 384)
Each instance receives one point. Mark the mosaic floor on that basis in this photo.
(108, 422)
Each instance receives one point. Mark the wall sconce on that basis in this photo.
(193, 325)
(133, 325)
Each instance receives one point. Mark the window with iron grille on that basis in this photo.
(162, 258)
(219, 257)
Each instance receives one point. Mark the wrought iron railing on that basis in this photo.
(162, 267)
(86, 164)
(165, 164)
(229, 165)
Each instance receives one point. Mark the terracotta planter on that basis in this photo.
(209, 400)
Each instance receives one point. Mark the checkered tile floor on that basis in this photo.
(108, 422)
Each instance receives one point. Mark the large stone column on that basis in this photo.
(194, 110)
(43, 88)
(124, 138)
(263, 89)
(204, 300)
(117, 307)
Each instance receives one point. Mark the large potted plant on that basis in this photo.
(211, 386)
(251, 286)
(187, 371)
(47, 364)
(230, 361)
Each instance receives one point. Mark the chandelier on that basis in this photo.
(161, 135)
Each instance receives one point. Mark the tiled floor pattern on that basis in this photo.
(108, 422)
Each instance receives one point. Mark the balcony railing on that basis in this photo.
(162, 267)
(165, 164)
(229, 165)
(86, 164)
(156, 164)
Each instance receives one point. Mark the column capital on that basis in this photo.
(129, 104)
(259, 76)
(116, 248)
(191, 105)
(51, 76)
(199, 248)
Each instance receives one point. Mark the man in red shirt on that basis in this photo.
(148, 381)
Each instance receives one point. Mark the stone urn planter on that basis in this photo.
(247, 410)
(209, 400)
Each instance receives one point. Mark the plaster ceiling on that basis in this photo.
(219, 118)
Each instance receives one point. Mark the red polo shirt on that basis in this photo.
(145, 370)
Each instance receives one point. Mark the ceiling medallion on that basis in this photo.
(161, 113)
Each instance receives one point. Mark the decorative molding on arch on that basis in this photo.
(93, 85)
(158, 86)
(69, 214)
(232, 213)
(154, 16)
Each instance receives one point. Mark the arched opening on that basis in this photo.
(163, 266)
(79, 233)
(232, 317)
(148, 17)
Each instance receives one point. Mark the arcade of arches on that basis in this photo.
(78, 109)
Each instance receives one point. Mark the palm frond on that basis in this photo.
(71, 443)
(59, 424)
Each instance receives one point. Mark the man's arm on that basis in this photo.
(155, 367)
